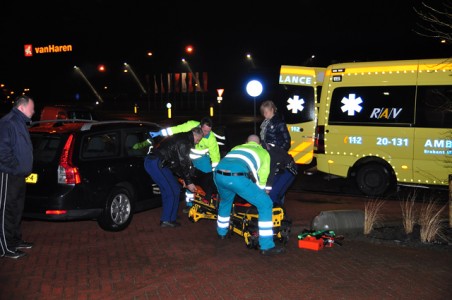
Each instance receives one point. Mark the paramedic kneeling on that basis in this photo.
(234, 175)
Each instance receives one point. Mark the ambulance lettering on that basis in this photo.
(295, 79)
(438, 143)
(438, 147)
(385, 112)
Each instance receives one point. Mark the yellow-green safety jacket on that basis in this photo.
(206, 148)
(256, 158)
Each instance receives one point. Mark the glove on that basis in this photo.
(141, 145)
(292, 168)
(154, 134)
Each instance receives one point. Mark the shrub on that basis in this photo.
(430, 221)
(372, 214)
(408, 212)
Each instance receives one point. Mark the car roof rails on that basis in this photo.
(59, 122)
(89, 125)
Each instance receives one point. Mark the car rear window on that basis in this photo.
(45, 147)
(100, 145)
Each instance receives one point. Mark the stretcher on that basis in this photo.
(202, 208)
(244, 218)
(244, 222)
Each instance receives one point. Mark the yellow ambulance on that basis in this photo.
(387, 123)
(300, 88)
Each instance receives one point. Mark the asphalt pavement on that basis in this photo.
(78, 260)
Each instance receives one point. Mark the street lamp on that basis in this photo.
(249, 58)
(186, 63)
(127, 69)
(254, 89)
(101, 68)
(79, 71)
(189, 49)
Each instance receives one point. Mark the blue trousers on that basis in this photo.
(280, 185)
(170, 188)
(228, 187)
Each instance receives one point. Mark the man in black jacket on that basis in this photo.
(16, 162)
(169, 159)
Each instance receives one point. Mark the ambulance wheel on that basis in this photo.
(374, 179)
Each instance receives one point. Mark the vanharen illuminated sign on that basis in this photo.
(28, 49)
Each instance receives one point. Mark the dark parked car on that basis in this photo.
(89, 170)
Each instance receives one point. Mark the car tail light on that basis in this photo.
(320, 140)
(67, 172)
(56, 212)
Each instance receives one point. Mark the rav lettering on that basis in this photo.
(385, 112)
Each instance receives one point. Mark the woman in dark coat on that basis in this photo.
(275, 138)
(274, 130)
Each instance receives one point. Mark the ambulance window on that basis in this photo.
(296, 104)
(434, 106)
(375, 105)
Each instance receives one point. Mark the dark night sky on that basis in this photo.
(221, 32)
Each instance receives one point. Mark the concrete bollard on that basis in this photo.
(340, 221)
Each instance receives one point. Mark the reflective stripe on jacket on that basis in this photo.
(208, 142)
(256, 158)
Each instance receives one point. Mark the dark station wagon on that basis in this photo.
(89, 170)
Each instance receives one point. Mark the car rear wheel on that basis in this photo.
(118, 211)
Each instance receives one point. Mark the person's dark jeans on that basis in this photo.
(280, 186)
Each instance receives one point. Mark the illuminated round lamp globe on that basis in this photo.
(254, 88)
(168, 105)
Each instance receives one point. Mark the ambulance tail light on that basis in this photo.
(319, 143)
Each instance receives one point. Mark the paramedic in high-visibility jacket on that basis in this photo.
(244, 171)
(205, 155)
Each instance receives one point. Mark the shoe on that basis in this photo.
(16, 254)
(24, 245)
(273, 251)
(169, 224)
(186, 210)
(222, 237)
